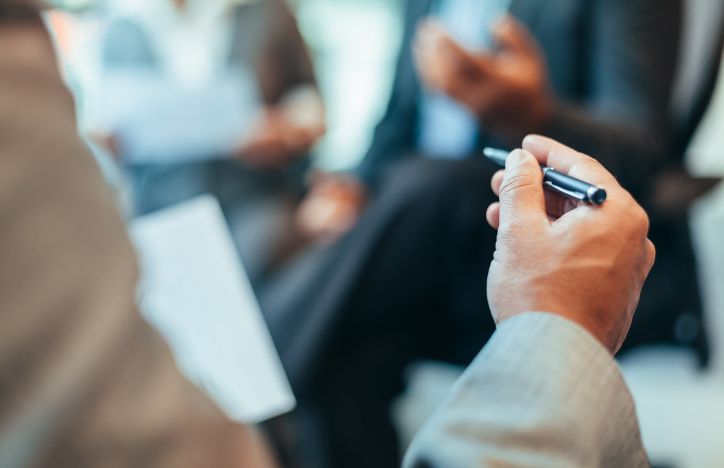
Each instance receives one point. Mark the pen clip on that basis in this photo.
(575, 195)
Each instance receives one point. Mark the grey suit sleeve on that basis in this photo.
(543, 393)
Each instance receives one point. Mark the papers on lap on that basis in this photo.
(196, 293)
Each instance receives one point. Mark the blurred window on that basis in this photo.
(355, 44)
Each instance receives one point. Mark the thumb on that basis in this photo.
(522, 202)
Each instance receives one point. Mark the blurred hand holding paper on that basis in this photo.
(157, 120)
(196, 293)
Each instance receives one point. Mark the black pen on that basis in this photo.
(560, 183)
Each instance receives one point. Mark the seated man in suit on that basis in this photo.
(596, 75)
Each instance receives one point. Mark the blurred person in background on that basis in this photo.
(350, 318)
(217, 52)
(469, 76)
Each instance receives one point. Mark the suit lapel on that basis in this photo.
(422, 8)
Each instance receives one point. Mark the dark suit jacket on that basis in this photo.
(611, 64)
(84, 382)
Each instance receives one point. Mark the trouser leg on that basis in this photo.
(407, 283)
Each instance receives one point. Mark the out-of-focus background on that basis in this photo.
(354, 45)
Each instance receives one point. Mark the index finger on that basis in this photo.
(569, 161)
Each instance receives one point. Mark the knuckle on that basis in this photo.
(637, 218)
(586, 159)
(650, 252)
(589, 163)
(516, 182)
(504, 242)
(506, 235)
(642, 220)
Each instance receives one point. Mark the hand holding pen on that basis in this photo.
(553, 255)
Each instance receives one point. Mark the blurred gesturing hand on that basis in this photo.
(587, 264)
(508, 90)
(284, 132)
(331, 208)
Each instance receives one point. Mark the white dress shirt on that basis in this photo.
(447, 129)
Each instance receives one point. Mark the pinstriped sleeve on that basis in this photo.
(543, 393)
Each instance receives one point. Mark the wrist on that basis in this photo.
(583, 317)
(541, 113)
(601, 331)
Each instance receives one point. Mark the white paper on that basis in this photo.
(196, 293)
(159, 121)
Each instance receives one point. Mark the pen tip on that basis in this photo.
(496, 155)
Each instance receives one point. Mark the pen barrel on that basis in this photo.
(561, 183)
(590, 193)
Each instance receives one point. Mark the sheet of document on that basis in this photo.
(158, 121)
(195, 292)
